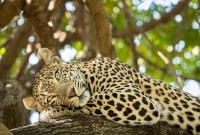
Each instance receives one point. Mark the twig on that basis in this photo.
(23, 64)
(129, 40)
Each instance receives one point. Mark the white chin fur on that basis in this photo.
(84, 98)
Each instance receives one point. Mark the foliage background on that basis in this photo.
(160, 38)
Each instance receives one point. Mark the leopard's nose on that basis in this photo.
(72, 93)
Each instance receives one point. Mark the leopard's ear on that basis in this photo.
(31, 104)
(47, 56)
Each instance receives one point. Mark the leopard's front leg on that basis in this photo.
(56, 112)
(49, 111)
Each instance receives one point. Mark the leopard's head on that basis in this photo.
(58, 83)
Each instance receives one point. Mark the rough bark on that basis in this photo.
(90, 125)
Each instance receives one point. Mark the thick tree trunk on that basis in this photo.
(90, 125)
(12, 111)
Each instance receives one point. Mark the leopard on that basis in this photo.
(109, 88)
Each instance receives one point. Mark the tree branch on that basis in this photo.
(35, 12)
(102, 26)
(85, 26)
(130, 40)
(90, 125)
(14, 45)
(21, 70)
(152, 24)
(14, 6)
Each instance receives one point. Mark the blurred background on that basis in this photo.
(160, 38)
